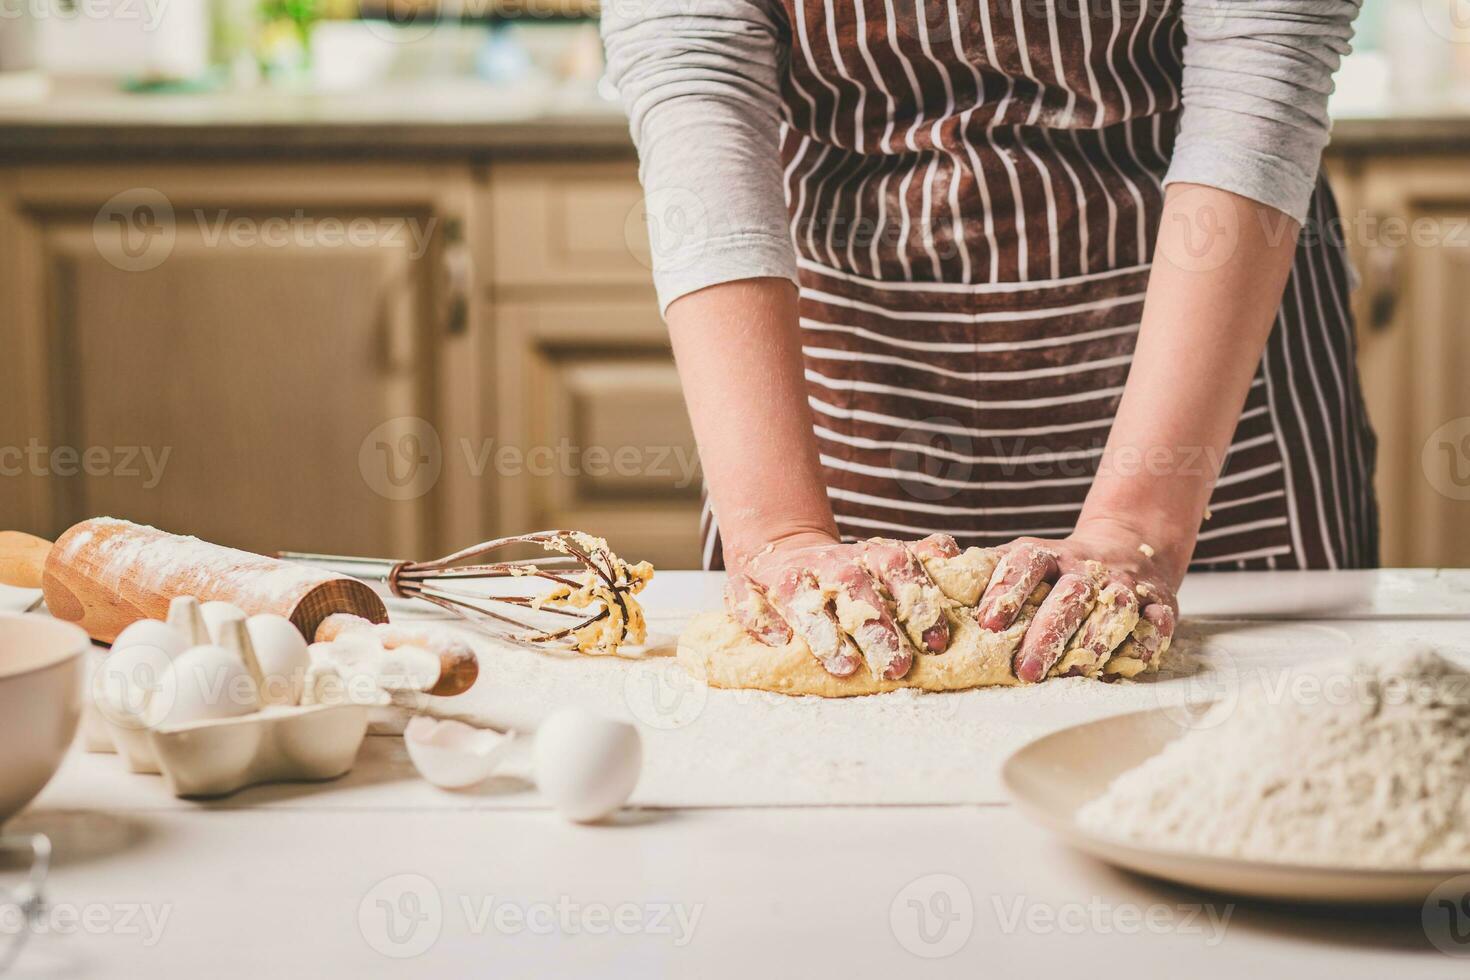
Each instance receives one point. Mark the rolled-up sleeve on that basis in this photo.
(700, 80)
(1257, 74)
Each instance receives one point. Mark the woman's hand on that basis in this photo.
(1106, 577)
(785, 589)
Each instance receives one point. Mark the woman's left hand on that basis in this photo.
(1132, 577)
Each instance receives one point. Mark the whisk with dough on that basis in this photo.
(582, 595)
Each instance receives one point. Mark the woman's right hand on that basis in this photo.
(827, 593)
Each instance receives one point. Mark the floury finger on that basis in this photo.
(747, 602)
(1146, 645)
(1111, 621)
(864, 616)
(1020, 570)
(1059, 616)
(917, 601)
(806, 609)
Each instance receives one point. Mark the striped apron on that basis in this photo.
(975, 189)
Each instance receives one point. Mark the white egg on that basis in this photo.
(586, 765)
(209, 682)
(133, 687)
(282, 652)
(451, 754)
(151, 633)
(215, 613)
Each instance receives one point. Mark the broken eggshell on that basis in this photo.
(453, 755)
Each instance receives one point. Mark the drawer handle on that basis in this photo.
(454, 258)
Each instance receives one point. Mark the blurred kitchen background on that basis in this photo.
(372, 276)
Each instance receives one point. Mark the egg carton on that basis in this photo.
(306, 723)
(222, 756)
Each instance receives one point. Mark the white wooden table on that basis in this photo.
(377, 875)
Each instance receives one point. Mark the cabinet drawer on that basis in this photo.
(568, 224)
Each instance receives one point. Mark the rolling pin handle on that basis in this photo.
(22, 559)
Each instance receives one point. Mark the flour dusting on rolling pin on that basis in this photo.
(104, 574)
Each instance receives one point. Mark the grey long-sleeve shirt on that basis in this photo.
(700, 81)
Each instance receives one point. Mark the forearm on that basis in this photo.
(739, 358)
(1206, 317)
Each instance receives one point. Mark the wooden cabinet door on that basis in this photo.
(254, 355)
(593, 430)
(1415, 352)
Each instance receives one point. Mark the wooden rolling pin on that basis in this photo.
(104, 574)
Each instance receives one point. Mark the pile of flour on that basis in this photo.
(1362, 763)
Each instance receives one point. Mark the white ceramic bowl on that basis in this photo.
(40, 702)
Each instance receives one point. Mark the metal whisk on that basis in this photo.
(427, 580)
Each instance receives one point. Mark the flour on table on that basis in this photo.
(1358, 762)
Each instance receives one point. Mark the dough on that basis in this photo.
(715, 649)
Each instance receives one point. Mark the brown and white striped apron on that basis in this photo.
(975, 188)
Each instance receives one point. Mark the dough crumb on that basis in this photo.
(1147, 550)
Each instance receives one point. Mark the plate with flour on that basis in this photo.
(1341, 782)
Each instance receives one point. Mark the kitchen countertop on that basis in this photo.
(443, 117)
(374, 875)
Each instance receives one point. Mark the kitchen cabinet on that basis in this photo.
(260, 356)
(585, 376)
(373, 359)
(1410, 225)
